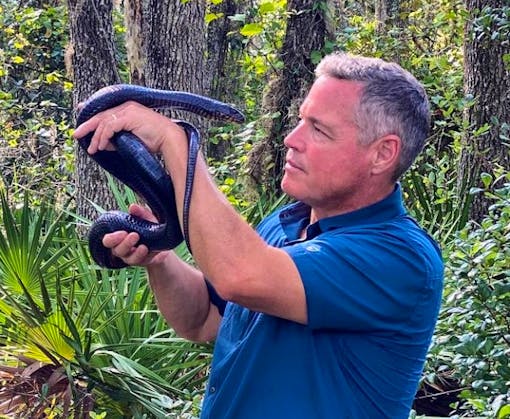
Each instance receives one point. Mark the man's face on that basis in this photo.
(325, 166)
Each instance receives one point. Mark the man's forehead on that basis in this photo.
(332, 94)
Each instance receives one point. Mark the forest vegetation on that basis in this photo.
(80, 341)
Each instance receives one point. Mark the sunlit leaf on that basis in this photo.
(50, 335)
(266, 7)
(251, 29)
(209, 17)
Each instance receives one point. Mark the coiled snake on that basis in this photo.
(136, 167)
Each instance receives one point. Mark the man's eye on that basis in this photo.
(316, 128)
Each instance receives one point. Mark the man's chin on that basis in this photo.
(286, 187)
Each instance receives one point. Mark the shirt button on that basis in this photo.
(212, 390)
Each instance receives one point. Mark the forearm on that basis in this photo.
(238, 263)
(183, 299)
(236, 260)
(219, 236)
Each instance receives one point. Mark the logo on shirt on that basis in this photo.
(313, 248)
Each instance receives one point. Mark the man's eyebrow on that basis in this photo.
(312, 119)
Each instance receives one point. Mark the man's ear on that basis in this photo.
(385, 153)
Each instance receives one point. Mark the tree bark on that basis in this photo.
(165, 46)
(307, 31)
(224, 49)
(92, 65)
(389, 26)
(487, 80)
(386, 12)
(165, 43)
(219, 50)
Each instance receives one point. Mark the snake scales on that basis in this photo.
(132, 164)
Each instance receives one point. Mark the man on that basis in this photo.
(333, 300)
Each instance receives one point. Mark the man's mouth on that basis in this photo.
(292, 165)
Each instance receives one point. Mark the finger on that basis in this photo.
(106, 132)
(142, 212)
(123, 246)
(138, 256)
(114, 239)
(93, 123)
(104, 125)
(86, 128)
(126, 246)
(110, 123)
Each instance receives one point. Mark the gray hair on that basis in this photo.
(392, 102)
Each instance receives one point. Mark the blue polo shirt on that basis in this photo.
(373, 283)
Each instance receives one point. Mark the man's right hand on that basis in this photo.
(124, 244)
(179, 289)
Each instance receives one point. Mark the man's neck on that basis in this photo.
(370, 198)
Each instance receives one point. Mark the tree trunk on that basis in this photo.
(165, 43)
(487, 80)
(93, 65)
(218, 49)
(307, 31)
(165, 46)
(389, 26)
(386, 13)
(224, 50)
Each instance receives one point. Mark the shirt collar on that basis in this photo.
(296, 217)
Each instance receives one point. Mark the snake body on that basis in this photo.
(133, 164)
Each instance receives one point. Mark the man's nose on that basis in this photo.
(295, 138)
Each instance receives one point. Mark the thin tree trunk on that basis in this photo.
(487, 80)
(389, 24)
(386, 12)
(218, 49)
(224, 50)
(307, 31)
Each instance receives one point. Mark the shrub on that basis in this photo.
(473, 336)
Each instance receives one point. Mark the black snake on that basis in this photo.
(136, 167)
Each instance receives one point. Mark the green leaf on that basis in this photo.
(504, 412)
(486, 179)
(266, 7)
(315, 57)
(210, 17)
(251, 29)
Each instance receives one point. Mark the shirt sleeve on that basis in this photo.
(214, 297)
(360, 282)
